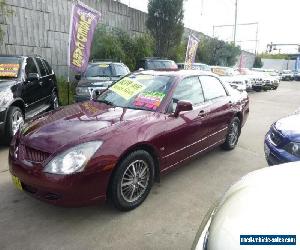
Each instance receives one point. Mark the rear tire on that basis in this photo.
(233, 134)
(14, 119)
(132, 180)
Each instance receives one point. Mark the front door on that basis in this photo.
(185, 135)
(31, 90)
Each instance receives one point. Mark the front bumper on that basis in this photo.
(73, 190)
(276, 155)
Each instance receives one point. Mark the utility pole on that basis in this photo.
(235, 21)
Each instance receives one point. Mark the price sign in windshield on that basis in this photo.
(9, 70)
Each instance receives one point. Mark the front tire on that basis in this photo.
(233, 134)
(14, 120)
(54, 101)
(132, 181)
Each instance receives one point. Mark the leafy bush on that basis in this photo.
(62, 85)
(217, 52)
(119, 46)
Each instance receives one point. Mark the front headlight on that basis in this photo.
(6, 96)
(82, 91)
(73, 160)
(293, 148)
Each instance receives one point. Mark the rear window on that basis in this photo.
(160, 64)
(98, 70)
(41, 67)
(9, 67)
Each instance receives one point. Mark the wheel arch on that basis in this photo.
(139, 146)
(20, 104)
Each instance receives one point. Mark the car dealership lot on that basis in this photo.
(171, 215)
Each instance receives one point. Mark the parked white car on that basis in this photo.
(232, 77)
(264, 202)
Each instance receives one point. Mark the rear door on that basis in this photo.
(221, 110)
(51, 77)
(45, 81)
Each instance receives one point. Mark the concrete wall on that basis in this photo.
(42, 27)
(279, 64)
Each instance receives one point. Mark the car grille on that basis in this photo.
(276, 138)
(33, 155)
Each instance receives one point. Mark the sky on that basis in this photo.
(278, 20)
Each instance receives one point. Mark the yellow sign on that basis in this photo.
(17, 182)
(9, 70)
(127, 88)
(219, 71)
(103, 65)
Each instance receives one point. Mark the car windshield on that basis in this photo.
(138, 91)
(9, 67)
(98, 70)
(160, 64)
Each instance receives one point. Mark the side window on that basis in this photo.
(48, 67)
(188, 89)
(41, 66)
(212, 87)
(120, 70)
(30, 66)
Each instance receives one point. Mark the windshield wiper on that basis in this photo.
(106, 102)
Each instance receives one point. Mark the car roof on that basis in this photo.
(177, 73)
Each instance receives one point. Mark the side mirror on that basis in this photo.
(183, 106)
(33, 77)
(77, 77)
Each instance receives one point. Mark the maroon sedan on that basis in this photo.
(117, 144)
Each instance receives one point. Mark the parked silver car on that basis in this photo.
(264, 202)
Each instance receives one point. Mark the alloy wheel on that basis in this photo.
(234, 133)
(135, 180)
(17, 121)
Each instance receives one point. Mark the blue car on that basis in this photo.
(282, 142)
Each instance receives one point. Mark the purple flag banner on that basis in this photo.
(83, 24)
(191, 52)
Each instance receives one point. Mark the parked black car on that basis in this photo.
(27, 88)
(155, 63)
(98, 76)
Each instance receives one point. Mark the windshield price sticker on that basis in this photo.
(150, 100)
(127, 88)
(218, 71)
(9, 70)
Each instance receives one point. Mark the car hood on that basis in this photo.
(252, 207)
(97, 81)
(289, 126)
(4, 84)
(83, 121)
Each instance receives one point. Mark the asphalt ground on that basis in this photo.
(172, 213)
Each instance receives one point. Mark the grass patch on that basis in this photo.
(62, 85)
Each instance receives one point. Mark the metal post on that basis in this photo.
(213, 31)
(235, 21)
(256, 42)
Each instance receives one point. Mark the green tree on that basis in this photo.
(120, 46)
(217, 52)
(257, 62)
(165, 23)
